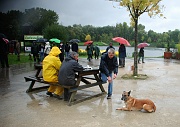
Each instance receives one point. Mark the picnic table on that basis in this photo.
(89, 78)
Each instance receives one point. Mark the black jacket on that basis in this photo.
(107, 65)
(67, 71)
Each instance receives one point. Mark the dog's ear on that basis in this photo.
(129, 93)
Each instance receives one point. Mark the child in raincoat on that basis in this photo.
(51, 66)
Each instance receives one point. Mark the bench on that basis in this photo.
(85, 76)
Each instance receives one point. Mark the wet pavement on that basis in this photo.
(21, 109)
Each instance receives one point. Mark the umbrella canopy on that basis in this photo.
(74, 40)
(42, 40)
(4, 38)
(88, 42)
(55, 40)
(121, 40)
(142, 45)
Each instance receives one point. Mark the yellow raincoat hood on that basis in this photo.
(55, 51)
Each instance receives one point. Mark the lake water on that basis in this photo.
(148, 51)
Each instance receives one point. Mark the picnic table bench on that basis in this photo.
(85, 76)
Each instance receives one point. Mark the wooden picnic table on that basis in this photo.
(89, 78)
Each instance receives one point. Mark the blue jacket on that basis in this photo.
(108, 65)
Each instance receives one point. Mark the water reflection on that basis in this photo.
(148, 51)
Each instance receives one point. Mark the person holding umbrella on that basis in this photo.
(141, 51)
(141, 55)
(122, 55)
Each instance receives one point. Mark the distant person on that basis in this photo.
(122, 55)
(89, 52)
(67, 73)
(96, 52)
(141, 55)
(61, 55)
(18, 49)
(51, 65)
(67, 49)
(110, 46)
(108, 66)
(75, 47)
(4, 51)
(92, 50)
(35, 51)
(47, 49)
(41, 51)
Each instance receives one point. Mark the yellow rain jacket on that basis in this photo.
(51, 65)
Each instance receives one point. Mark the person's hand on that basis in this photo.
(114, 76)
(109, 79)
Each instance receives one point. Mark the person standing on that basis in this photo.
(61, 55)
(41, 51)
(4, 51)
(35, 51)
(141, 55)
(89, 52)
(108, 66)
(110, 46)
(18, 50)
(96, 52)
(47, 49)
(75, 47)
(51, 65)
(122, 55)
(67, 73)
(67, 49)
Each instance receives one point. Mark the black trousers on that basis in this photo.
(4, 60)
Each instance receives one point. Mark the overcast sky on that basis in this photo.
(99, 12)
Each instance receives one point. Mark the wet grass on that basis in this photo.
(139, 77)
(12, 58)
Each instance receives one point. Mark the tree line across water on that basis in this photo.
(15, 24)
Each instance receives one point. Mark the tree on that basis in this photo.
(55, 31)
(88, 37)
(136, 8)
(40, 18)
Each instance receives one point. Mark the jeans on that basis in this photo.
(110, 85)
(66, 53)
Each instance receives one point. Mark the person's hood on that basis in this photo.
(55, 51)
(47, 43)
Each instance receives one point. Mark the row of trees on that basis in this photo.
(15, 24)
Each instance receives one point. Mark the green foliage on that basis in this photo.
(178, 47)
(56, 31)
(13, 59)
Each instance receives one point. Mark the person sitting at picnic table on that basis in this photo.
(51, 65)
(67, 72)
(108, 65)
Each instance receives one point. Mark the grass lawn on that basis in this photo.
(12, 58)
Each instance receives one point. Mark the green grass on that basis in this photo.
(13, 59)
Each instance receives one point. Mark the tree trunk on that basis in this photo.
(135, 72)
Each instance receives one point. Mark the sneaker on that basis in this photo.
(49, 94)
(109, 97)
